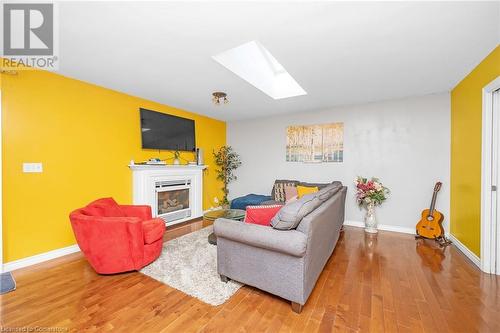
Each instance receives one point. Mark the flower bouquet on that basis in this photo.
(370, 193)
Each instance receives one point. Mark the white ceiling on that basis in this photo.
(339, 52)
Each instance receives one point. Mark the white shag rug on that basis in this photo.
(189, 264)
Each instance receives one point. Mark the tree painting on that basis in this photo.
(315, 143)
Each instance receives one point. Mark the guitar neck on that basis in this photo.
(433, 203)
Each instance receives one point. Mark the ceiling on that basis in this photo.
(339, 52)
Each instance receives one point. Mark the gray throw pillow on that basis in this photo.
(290, 215)
(327, 192)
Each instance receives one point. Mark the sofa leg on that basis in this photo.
(224, 278)
(296, 307)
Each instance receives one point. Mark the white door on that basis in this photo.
(490, 179)
(495, 167)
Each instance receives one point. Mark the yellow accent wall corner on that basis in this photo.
(466, 119)
(85, 136)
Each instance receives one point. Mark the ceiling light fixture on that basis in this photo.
(219, 97)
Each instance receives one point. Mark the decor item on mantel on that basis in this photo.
(177, 154)
(227, 160)
(315, 143)
(369, 194)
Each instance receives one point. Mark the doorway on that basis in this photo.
(490, 179)
(1, 186)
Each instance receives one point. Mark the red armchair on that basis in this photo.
(117, 238)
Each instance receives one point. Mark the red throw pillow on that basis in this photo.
(261, 214)
(106, 207)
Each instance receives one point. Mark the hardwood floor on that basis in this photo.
(383, 283)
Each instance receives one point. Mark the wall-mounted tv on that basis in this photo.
(166, 132)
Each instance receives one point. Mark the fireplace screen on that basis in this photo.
(171, 201)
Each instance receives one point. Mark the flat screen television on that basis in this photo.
(166, 132)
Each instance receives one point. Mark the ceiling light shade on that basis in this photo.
(255, 64)
(218, 97)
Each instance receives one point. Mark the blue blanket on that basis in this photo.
(249, 200)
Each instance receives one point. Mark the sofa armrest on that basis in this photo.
(141, 211)
(289, 242)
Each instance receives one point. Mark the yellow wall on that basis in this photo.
(466, 118)
(85, 136)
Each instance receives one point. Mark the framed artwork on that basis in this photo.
(315, 143)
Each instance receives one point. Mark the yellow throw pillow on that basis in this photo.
(303, 190)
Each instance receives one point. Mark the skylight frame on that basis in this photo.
(254, 63)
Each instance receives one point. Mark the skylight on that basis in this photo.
(256, 65)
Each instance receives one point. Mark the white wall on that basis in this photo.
(405, 143)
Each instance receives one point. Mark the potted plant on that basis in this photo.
(227, 161)
(369, 194)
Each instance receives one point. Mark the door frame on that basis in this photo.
(1, 185)
(489, 239)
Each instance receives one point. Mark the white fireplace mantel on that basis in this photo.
(137, 167)
(145, 178)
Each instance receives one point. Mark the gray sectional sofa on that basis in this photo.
(286, 262)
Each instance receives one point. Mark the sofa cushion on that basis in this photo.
(153, 230)
(278, 192)
(291, 214)
(303, 190)
(261, 214)
(106, 207)
(291, 193)
(271, 202)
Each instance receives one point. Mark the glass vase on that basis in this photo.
(370, 219)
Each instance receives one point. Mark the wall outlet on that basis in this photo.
(32, 167)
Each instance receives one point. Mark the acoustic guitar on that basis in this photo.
(430, 225)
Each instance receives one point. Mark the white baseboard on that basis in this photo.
(465, 250)
(36, 259)
(386, 227)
